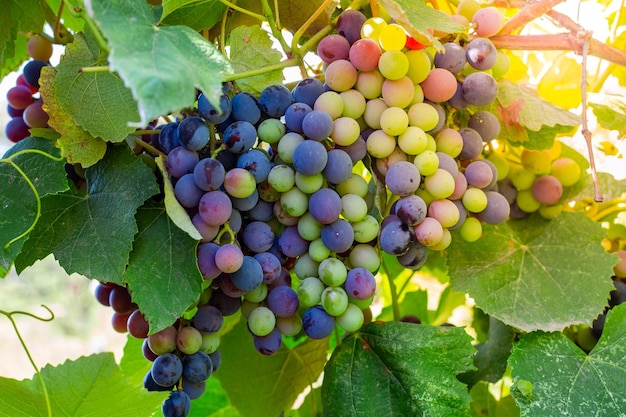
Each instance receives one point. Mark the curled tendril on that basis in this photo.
(9, 315)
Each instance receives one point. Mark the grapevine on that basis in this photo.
(237, 223)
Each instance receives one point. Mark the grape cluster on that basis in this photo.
(537, 181)
(24, 104)
(183, 355)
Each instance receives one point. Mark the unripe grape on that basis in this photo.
(393, 65)
(566, 170)
(535, 161)
(188, 340)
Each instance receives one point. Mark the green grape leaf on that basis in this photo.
(177, 213)
(486, 405)
(244, 57)
(148, 58)
(163, 273)
(70, 21)
(417, 18)
(401, 369)
(611, 116)
(491, 356)
(554, 377)
(17, 18)
(77, 146)
(214, 402)
(82, 387)
(264, 386)
(98, 101)
(17, 199)
(536, 274)
(197, 14)
(92, 234)
(133, 364)
(525, 117)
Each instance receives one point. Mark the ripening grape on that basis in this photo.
(398, 93)
(566, 170)
(537, 162)
(332, 48)
(349, 24)
(364, 54)
(371, 28)
(452, 58)
(547, 189)
(393, 64)
(488, 21)
(439, 86)
(392, 37)
(341, 75)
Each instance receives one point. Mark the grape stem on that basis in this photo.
(242, 10)
(80, 13)
(9, 315)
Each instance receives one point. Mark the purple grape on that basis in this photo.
(258, 236)
(472, 144)
(209, 174)
(497, 209)
(338, 236)
(332, 48)
(338, 166)
(403, 178)
(481, 54)
(317, 323)
(212, 114)
(249, 276)
(194, 389)
(349, 25)
(181, 161)
(246, 203)
(239, 137)
(274, 100)
(448, 163)
(270, 265)
(269, 344)
(208, 319)
(283, 301)
(193, 133)
(206, 260)
(32, 72)
(325, 205)
(310, 157)
(396, 237)
(317, 125)
(168, 137)
(480, 89)
(486, 124)
(187, 192)
(227, 305)
(307, 91)
(360, 283)
(451, 58)
(411, 210)
(357, 150)
(246, 107)
(215, 207)
(415, 257)
(291, 244)
(262, 211)
(16, 129)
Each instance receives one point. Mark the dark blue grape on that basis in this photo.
(227, 305)
(246, 203)
(177, 405)
(294, 115)
(291, 244)
(481, 53)
(256, 162)
(283, 301)
(338, 166)
(325, 205)
(239, 137)
(194, 389)
(317, 323)
(227, 159)
(150, 385)
(258, 236)
(32, 72)
(208, 319)
(263, 211)
(197, 367)
(167, 369)
(310, 157)
(411, 210)
(396, 237)
(307, 91)
(415, 257)
(269, 344)
(338, 236)
(246, 107)
(249, 276)
(168, 137)
(317, 125)
(187, 192)
(193, 133)
(181, 161)
(212, 114)
(270, 265)
(274, 100)
(216, 359)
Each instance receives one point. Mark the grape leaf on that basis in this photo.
(72, 22)
(92, 234)
(98, 101)
(536, 274)
(162, 274)
(263, 386)
(561, 82)
(401, 369)
(177, 213)
(485, 405)
(197, 14)
(133, 364)
(611, 116)
(567, 382)
(214, 402)
(245, 57)
(417, 18)
(149, 58)
(77, 146)
(17, 18)
(83, 387)
(17, 199)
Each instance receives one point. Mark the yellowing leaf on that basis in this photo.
(561, 83)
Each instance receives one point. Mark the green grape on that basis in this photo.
(356, 184)
(566, 170)
(352, 319)
(527, 202)
(256, 295)
(394, 121)
(334, 300)
(501, 164)
(309, 228)
(550, 211)
(287, 145)
(366, 230)
(440, 184)
(305, 266)
(467, 8)
(365, 256)
(373, 110)
(418, 94)
(261, 321)
(188, 340)
(309, 184)
(392, 37)
(424, 116)
(427, 162)
(353, 103)
(474, 200)
(419, 65)
(289, 326)
(362, 304)
(331, 103)
(353, 207)
(471, 229)
(444, 242)
(271, 130)
(521, 178)
(399, 92)
(281, 178)
(210, 342)
(318, 251)
(413, 140)
(449, 141)
(345, 131)
(431, 143)
(294, 202)
(502, 65)
(370, 84)
(332, 272)
(393, 65)
(537, 162)
(371, 28)
(380, 144)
